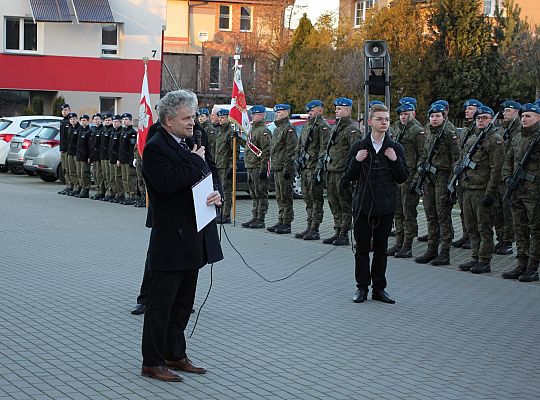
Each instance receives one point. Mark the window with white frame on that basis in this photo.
(245, 18)
(107, 105)
(109, 40)
(360, 9)
(489, 7)
(225, 18)
(215, 72)
(20, 34)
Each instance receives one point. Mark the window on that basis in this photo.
(21, 34)
(230, 72)
(107, 105)
(489, 7)
(245, 19)
(109, 40)
(215, 72)
(225, 18)
(360, 9)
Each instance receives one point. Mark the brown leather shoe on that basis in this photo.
(162, 373)
(185, 365)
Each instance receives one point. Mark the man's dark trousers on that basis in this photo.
(145, 285)
(366, 227)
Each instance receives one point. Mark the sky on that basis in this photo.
(314, 8)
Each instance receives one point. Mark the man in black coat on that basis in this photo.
(377, 163)
(176, 250)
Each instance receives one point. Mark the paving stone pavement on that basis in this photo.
(71, 270)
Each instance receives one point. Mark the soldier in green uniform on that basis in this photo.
(104, 155)
(525, 196)
(82, 157)
(510, 127)
(210, 129)
(334, 160)
(411, 135)
(224, 156)
(64, 133)
(141, 186)
(443, 144)
(116, 172)
(128, 139)
(282, 156)
(311, 143)
(95, 157)
(469, 108)
(73, 136)
(256, 159)
(480, 187)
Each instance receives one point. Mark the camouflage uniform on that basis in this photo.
(257, 172)
(344, 134)
(211, 131)
(503, 212)
(104, 156)
(128, 139)
(316, 131)
(95, 158)
(405, 218)
(478, 183)
(525, 201)
(282, 155)
(224, 156)
(436, 205)
(141, 186)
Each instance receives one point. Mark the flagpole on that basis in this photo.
(238, 49)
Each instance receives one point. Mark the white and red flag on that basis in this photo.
(145, 114)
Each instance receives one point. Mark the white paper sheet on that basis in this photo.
(203, 214)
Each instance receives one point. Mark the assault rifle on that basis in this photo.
(521, 174)
(468, 134)
(322, 165)
(506, 134)
(427, 166)
(402, 130)
(467, 161)
(300, 162)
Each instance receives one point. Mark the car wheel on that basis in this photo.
(60, 174)
(297, 187)
(47, 177)
(4, 168)
(16, 170)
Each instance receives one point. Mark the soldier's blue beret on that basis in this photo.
(107, 115)
(65, 105)
(258, 109)
(222, 112)
(405, 100)
(444, 103)
(72, 115)
(529, 107)
(405, 107)
(127, 115)
(511, 104)
(281, 107)
(85, 116)
(484, 110)
(204, 111)
(117, 117)
(343, 101)
(373, 102)
(436, 108)
(96, 115)
(312, 104)
(473, 103)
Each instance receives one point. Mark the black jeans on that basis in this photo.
(167, 314)
(377, 227)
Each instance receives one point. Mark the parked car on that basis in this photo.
(10, 126)
(48, 165)
(47, 138)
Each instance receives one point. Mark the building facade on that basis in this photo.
(88, 51)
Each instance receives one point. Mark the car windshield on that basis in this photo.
(47, 133)
(27, 131)
(4, 123)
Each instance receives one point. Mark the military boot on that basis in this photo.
(467, 265)
(423, 238)
(481, 268)
(460, 242)
(331, 239)
(300, 235)
(257, 224)
(405, 251)
(83, 194)
(248, 223)
(312, 235)
(74, 193)
(394, 249)
(274, 227)
(531, 273)
(283, 228)
(442, 259)
(342, 239)
(505, 249)
(429, 255)
(514, 273)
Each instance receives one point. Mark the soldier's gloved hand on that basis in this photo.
(286, 174)
(263, 175)
(488, 200)
(511, 183)
(412, 187)
(229, 173)
(458, 169)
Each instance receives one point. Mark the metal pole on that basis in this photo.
(233, 206)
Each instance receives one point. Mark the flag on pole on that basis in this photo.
(145, 113)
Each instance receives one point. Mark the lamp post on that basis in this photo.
(376, 73)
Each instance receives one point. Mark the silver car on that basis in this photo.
(47, 138)
(49, 167)
(18, 146)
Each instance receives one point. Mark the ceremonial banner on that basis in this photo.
(145, 114)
